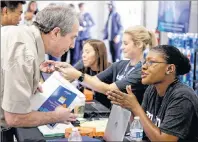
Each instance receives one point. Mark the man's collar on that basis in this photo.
(39, 43)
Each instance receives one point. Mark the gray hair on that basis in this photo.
(53, 16)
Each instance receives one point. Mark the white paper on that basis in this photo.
(100, 125)
(59, 129)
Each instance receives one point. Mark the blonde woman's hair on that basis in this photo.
(140, 34)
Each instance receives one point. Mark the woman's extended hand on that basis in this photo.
(128, 101)
(68, 71)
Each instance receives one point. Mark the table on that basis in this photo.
(31, 135)
(34, 135)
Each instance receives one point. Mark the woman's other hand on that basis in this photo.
(128, 101)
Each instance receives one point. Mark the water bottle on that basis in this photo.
(75, 135)
(136, 130)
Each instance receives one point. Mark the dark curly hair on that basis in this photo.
(172, 55)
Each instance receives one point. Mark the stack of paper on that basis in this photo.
(100, 125)
(58, 130)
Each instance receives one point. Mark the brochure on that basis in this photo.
(57, 91)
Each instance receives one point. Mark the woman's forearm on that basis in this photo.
(151, 130)
(91, 82)
(96, 84)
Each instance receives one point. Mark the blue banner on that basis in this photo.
(173, 16)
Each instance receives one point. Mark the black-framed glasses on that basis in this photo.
(150, 63)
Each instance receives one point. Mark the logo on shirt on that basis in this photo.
(155, 120)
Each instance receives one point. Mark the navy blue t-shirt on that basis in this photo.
(176, 113)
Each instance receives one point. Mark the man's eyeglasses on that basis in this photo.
(150, 63)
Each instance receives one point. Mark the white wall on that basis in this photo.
(95, 8)
(194, 17)
(132, 13)
(151, 13)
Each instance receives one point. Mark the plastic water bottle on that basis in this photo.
(75, 135)
(136, 130)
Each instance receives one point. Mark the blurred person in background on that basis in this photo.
(64, 57)
(22, 58)
(94, 60)
(169, 111)
(113, 32)
(86, 23)
(122, 73)
(72, 5)
(11, 12)
(31, 12)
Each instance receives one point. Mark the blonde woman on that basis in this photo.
(122, 73)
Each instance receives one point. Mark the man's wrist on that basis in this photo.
(57, 115)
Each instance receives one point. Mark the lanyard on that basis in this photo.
(126, 68)
(120, 77)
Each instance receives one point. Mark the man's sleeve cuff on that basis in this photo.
(17, 107)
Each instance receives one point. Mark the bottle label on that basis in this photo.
(137, 134)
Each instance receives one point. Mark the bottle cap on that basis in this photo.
(136, 117)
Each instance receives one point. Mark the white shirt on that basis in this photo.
(22, 51)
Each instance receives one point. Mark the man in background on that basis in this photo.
(11, 12)
(86, 23)
(113, 32)
(64, 57)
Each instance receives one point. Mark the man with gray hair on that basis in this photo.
(22, 57)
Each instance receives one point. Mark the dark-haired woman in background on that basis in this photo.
(169, 109)
(94, 60)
